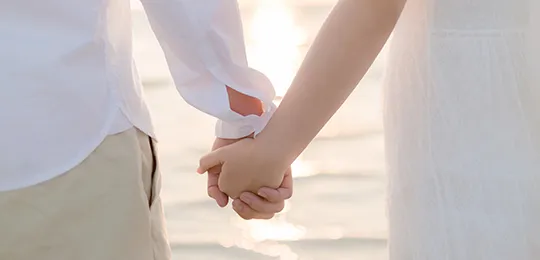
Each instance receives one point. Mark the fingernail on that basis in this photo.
(246, 199)
(238, 206)
(262, 194)
(219, 201)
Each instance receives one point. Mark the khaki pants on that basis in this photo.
(107, 208)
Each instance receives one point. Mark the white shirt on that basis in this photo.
(68, 79)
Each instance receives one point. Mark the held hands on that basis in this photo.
(240, 169)
(243, 168)
(268, 203)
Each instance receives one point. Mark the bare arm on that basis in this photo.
(350, 40)
(348, 43)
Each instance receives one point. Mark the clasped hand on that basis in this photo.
(240, 170)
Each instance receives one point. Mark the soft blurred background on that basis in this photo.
(338, 210)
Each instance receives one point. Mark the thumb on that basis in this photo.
(210, 160)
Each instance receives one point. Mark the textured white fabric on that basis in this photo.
(68, 79)
(462, 123)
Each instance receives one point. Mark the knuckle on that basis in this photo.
(280, 207)
(288, 195)
(245, 216)
(244, 213)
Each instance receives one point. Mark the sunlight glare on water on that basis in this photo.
(264, 236)
(274, 42)
(301, 168)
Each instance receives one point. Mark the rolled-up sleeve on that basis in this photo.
(204, 47)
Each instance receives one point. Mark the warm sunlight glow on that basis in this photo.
(277, 229)
(275, 39)
(266, 236)
(301, 168)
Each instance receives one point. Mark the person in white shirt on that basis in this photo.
(78, 177)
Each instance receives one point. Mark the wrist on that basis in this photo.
(239, 126)
(278, 150)
(243, 104)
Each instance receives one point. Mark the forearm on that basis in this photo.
(348, 43)
(204, 46)
(243, 104)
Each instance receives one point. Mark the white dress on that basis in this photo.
(462, 123)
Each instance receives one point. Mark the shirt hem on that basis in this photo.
(73, 163)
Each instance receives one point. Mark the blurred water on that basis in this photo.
(338, 210)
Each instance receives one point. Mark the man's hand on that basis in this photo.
(213, 174)
(267, 204)
(250, 205)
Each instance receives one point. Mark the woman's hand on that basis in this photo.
(263, 204)
(245, 166)
(268, 203)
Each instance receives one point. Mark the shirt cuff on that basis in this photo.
(244, 126)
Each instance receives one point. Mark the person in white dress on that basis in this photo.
(462, 121)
